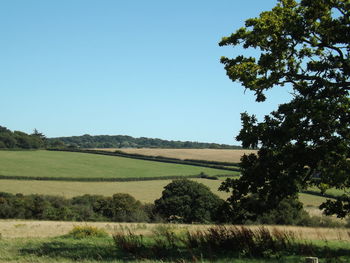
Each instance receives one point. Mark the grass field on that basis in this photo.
(82, 165)
(93, 250)
(332, 191)
(221, 155)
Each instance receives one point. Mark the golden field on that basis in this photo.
(145, 191)
(220, 155)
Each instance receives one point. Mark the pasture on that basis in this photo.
(219, 155)
(81, 165)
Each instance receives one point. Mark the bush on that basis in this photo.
(252, 209)
(288, 212)
(80, 232)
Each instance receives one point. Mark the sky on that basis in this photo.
(139, 68)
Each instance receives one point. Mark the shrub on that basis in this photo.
(130, 243)
(80, 232)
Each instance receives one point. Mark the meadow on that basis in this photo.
(81, 165)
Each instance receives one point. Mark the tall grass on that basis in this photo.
(211, 243)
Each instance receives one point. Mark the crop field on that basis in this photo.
(82, 165)
(221, 155)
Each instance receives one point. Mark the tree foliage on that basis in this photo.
(118, 208)
(303, 45)
(124, 141)
(188, 201)
(20, 140)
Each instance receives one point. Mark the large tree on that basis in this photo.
(304, 46)
(188, 201)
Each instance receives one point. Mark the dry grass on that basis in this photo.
(24, 228)
(223, 155)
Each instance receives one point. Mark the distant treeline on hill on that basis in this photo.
(124, 141)
(21, 140)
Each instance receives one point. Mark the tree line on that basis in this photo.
(21, 140)
(182, 201)
(124, 141)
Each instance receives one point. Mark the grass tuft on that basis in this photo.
(80, 232)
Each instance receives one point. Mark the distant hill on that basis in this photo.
(124, 141)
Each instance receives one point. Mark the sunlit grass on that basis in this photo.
(82, 165)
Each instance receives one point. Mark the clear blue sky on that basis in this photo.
(140, 68)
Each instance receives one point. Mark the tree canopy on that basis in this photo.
(20, 140)
(188, 201)
(303, 45)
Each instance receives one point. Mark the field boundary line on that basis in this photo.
(115, 179)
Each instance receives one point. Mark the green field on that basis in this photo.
(331, 191)
(82, 165)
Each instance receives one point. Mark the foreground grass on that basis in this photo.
(80, 165)
(59, 249)
(47, 250)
